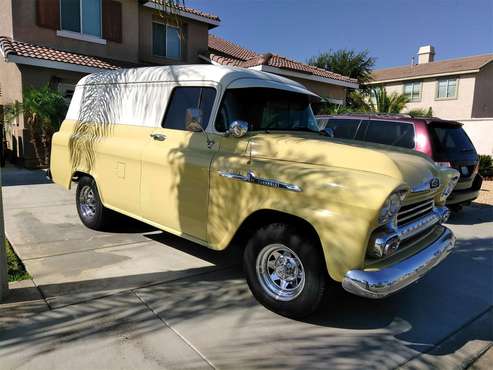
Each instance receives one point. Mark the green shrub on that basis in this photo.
(16, 269)
(421, 112)
(485, 166)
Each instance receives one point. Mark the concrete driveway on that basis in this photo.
(140, 298)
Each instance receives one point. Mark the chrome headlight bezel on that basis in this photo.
(391, 206)
(449, 188)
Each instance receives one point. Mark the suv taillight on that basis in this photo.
(443, 164)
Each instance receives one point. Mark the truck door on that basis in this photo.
(175, 166)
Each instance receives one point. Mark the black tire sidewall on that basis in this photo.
(96, 222)
(309, 252)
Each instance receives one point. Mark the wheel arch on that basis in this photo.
(264, 217)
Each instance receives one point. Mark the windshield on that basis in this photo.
(266, 109)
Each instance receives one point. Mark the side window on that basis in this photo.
(344, 128)
(184, 98)
(391, 133)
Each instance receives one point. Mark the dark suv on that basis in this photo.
(444, 141)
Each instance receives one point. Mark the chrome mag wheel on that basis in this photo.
(280, 272)
(87, 201)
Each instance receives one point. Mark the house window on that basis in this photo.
(413, 91)
(166, 41)
(81, 16)
(447, 88)
(67, 91)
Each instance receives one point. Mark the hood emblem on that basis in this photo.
(434, 183)
(429, 184)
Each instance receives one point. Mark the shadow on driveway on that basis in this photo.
(14, 176)
(214, 309)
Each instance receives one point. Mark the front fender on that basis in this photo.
(340, 204)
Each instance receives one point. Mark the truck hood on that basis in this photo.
(408, 166)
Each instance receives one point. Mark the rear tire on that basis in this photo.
(285, 270)
(91, 210)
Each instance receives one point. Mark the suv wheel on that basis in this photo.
(91, 211)
(284, 270)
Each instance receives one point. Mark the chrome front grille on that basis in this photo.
(414, 211)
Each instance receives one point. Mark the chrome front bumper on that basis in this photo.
(381, 283)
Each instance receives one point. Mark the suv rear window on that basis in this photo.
(391, 133)
(450, 139)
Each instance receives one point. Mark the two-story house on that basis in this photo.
(331, 86)
(56, 42)
(458, 89)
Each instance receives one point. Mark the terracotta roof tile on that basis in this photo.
(228, 53)
(186, 9)
(443, 66)
(24, 49)
(225, 60)
(227, 48)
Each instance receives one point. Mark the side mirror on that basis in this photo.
(329, 132)
(193, 120)
(238, 129)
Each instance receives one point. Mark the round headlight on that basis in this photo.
(390, 208)
(450, 187)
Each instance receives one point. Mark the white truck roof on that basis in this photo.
(224, 75)
(138, 96)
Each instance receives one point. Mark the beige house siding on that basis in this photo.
(11, 85)
(25, 29)
(323, 89)
(483, 94)
(10, 82)
(195, 39)
(455, 108)
(6, 18)
(38, 77)
(480, 132)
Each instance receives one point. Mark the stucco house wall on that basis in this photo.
(11, 92)
(454, 108)
(25, 29)
(195, 38)
(6, 21)
(483, 93)
(323, 89)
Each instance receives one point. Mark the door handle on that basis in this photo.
(158, 137)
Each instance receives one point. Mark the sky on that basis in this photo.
(391, 30)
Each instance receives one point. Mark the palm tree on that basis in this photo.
(346, 62)
(381, 102)
(43, 110)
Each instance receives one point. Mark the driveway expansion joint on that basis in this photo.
(81, 250)
(185, 340)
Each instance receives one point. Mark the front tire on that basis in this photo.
(285, 270)
(91, 210)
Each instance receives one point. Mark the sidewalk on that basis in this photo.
(140, 298)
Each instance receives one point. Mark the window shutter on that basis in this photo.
(48, 14)
(112, 20)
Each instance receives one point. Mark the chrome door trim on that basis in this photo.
(250, 177)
